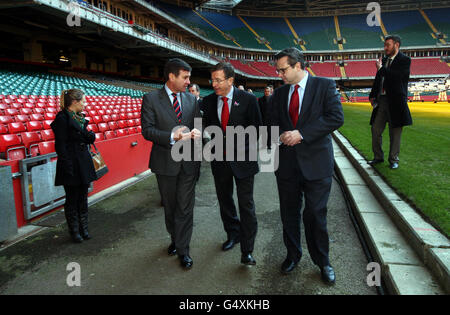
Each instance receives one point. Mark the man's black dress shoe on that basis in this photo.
(229, 244)
(186, 261)
(287, 266)
(247, 259)
(328, 275)
(393, 165)
(171, 250)
(375, 161)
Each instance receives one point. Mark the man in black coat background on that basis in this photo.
(263, 103)
(229, 106)
(389, 97)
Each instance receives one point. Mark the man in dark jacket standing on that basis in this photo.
(263, 103)
(167, 117)
(389, 98)
(232, 107)
(307, 110)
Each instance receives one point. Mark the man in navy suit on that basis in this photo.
(229, 106)
(307, 110)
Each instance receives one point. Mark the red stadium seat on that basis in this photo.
(139, 129)
(51, 110)
(16, 127)
(101, 112)
(11, 147)
(132, 130)
(3, 106)
(22, 118)
(92, 113)
(102, 127)
(97, 119)
(110, 135)
(25, 111)
(130, 123)
(34, 125)
(49, 116)
(36, 117)
(114, 117)
(6, 119)
(3, 129)
(92, 127)
(121, 133)
(112, 125)
(16, 105)
(137, 122)
(122, 124)
(46, 147)
(99, 137)
(47, 135)
(11, 111)
(123, 116)
(46, 124)
(106, 118)
(28, 139)
(38, 110)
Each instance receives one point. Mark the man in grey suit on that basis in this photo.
(167, 116)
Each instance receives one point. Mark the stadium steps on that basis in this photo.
(216, 28)
(294, 33)
(311, 71)
(253, 31)
(412, 254)
(430, 24)
(338, 33)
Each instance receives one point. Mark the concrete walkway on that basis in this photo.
(127, 254)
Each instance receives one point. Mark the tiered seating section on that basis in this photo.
(25, 129)
(353, 68)
(318, 33)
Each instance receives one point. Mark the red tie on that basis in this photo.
(176, 107)
(225, 113)
(294, 105)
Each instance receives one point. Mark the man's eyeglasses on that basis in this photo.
(282, 71)
(217, 81)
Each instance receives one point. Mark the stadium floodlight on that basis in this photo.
(221, 4)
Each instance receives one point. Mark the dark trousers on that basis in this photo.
(178, 196)
(246, 228)
(378, 126)
(291, 192)
(76, 207)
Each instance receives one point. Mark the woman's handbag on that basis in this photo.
(99, 164)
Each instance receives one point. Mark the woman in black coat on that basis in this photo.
(74, 167)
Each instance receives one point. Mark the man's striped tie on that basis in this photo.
(176, 107)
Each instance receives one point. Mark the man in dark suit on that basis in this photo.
(306, 109)
(167, 116)
(232, 107)
(389, 98)
(263, 103)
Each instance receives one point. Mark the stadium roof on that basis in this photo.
(328, 7)
(306, 7)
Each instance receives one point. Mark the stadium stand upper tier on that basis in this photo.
(417, 28)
